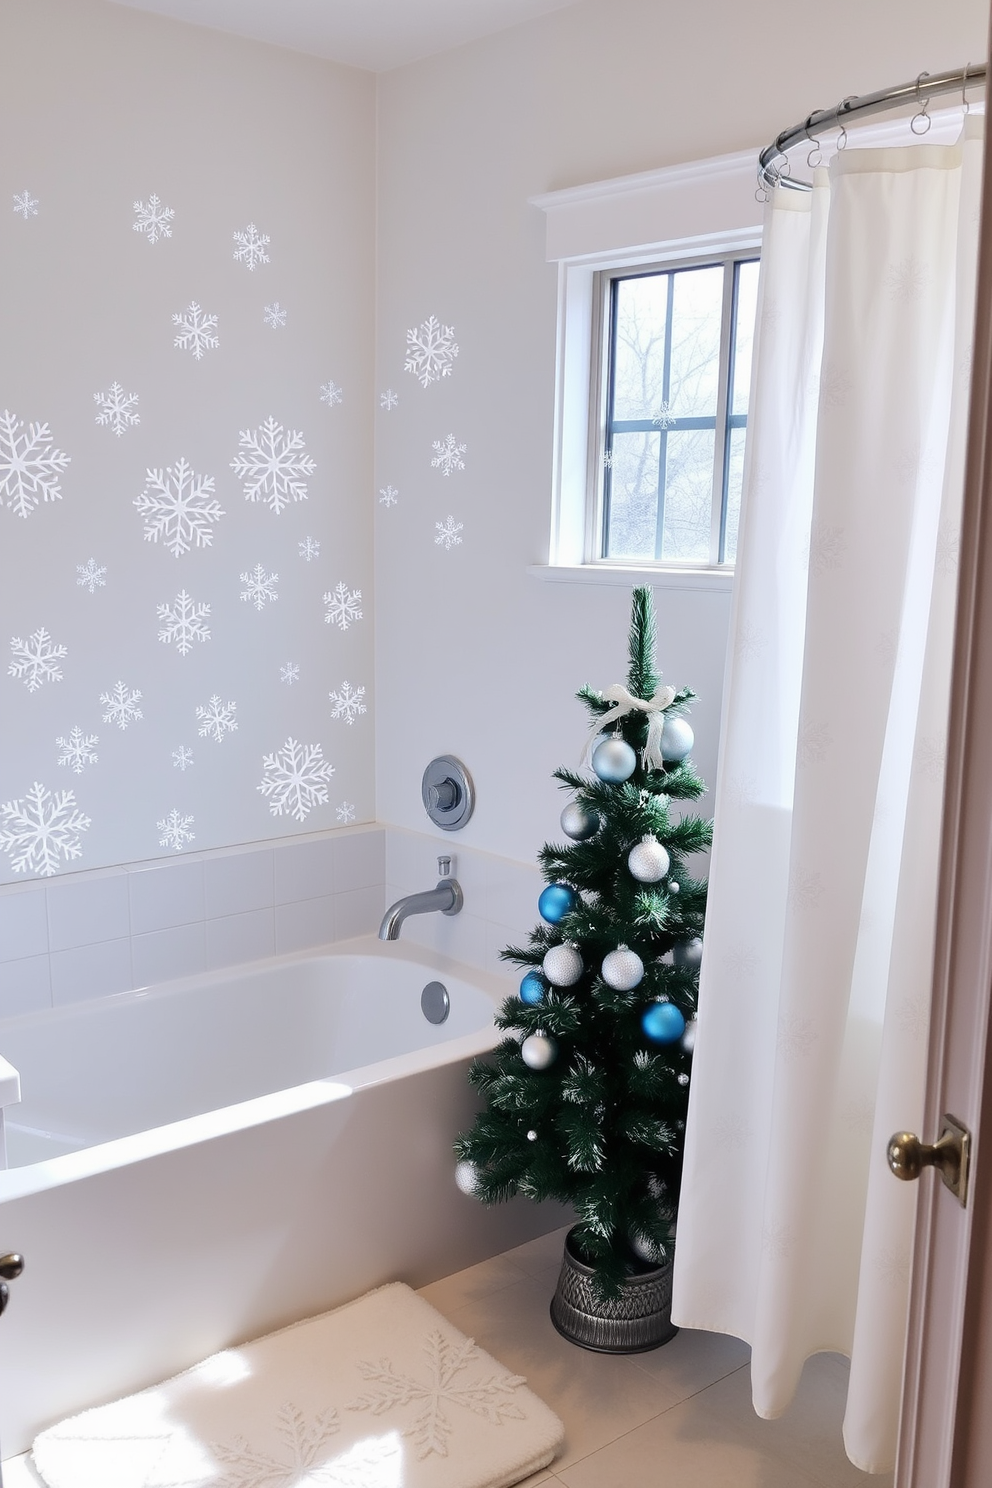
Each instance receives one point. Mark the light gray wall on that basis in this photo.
(473, 656)
(102, 106)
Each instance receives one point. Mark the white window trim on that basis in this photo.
(681, 211)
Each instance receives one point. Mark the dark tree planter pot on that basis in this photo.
(638, 1320)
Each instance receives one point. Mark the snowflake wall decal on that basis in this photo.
(447, 533)
(117, 409)
(330, 394)
(216, 719)
(388, 496)
(197, 331)
(183, 623)
(121, 705)
(431, 350)
(77, 750)
(260, 590)
(41, 829)
(153, 219)
(250, 1467)
(273, 464)
(182, 758)
(275, 316)
(290, 673)
(343, 606)
(345, 813)
(26, 204)
(309, 548)
(388, 400)
(179, 507)
(36, 660)
(175, 830)
(29, 468)
(251, 245)
(91, 577)
(448, 455)
(490, 1396)
(348, 702)
(295, 779)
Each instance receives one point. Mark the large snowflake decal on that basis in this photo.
(250, 248)
(26, 205)
(121, 705)
(91, 576)
(216, 719)
(183, 623)
(275, 316)
(117, 409)
(344, 606)
(273, 464)
(431, 349)
(30, 469)
(448, 533)
(197, 331)
(36, 660)
(295, 779)
(175, 830)
(448, 455)
(153, 219)
(260, 589)
(179, 507)
(77, 750)
(330, 394)
(250, 1467)
(348, 702)
(490, 1396)
(41, 829)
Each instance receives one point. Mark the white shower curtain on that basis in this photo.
(814, 996)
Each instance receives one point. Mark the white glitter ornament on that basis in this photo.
(688, 953)
(538, 1051)
(579, 822)
(689, 1037)
(648, 861)
(467, 1176)
(676, 739)
(622, 969)
(532, 1136)
(562, 965)
(614, 761)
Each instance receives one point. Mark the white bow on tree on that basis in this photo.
(623, 702)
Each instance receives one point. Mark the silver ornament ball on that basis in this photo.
(689, 1037)
(467, 1176)
(683, 1078)
(532, 1136)
(538, 1051)
(562, 965)
(579, 822)
(648, 861)
(688, 953)
(646, 1249)
(614, 761)
(622, 969)
(676, 739)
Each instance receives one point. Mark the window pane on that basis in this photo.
(632, 482)
(697, 313)
(642, 311)
(747, 299)
(688, 495)
(735, 480)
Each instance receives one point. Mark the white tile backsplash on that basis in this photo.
(232, 939)
(23, 923)
(358, 911)
(162, 955)
(359, 861)
(309, 922)
(238, 882)
(305, 870)
(91, 971)
(88, 910)
(167, 896)
(25, 986)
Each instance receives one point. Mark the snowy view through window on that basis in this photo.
(680, 364)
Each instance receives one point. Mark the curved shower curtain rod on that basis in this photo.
(920, 92)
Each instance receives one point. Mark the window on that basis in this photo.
(672, 411)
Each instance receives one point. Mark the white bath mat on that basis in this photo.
(381, 1393)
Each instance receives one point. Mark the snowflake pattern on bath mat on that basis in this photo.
(197, 331)
(36, 660)
(272, 465)
(77, 750)
(300, 1461)
(91, 576)
(490, 1396)
(30, 469)
(41, 830)
(179, 507)
(117, 409)
(295, 779)
(121, 705)
(250, 247)
(183, 623)
(431, 350)
(216, 719)
(153, 218)
(175, 831)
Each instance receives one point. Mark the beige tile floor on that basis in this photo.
(680, 1417)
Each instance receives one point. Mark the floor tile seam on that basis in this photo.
(692, 1393)
(480, 1297)
(810, 1476)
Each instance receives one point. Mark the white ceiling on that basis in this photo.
(377, 34)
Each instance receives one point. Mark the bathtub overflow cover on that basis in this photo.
(435, 1003)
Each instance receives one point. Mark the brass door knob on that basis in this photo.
(908, 1156)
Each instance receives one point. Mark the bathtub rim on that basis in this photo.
(72, 1167)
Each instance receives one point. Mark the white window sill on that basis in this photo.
(718, 581)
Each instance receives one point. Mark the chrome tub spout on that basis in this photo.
(446, 897)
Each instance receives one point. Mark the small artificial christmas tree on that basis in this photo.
(585, 1099)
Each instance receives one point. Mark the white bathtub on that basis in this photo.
(197, 1163)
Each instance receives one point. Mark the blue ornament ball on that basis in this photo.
(676, 739)
(532, 989)
(614, 761)
(555, 903)
(663, 1023)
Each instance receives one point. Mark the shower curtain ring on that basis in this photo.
(964, 90)
(816, 150)
(921, 122)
